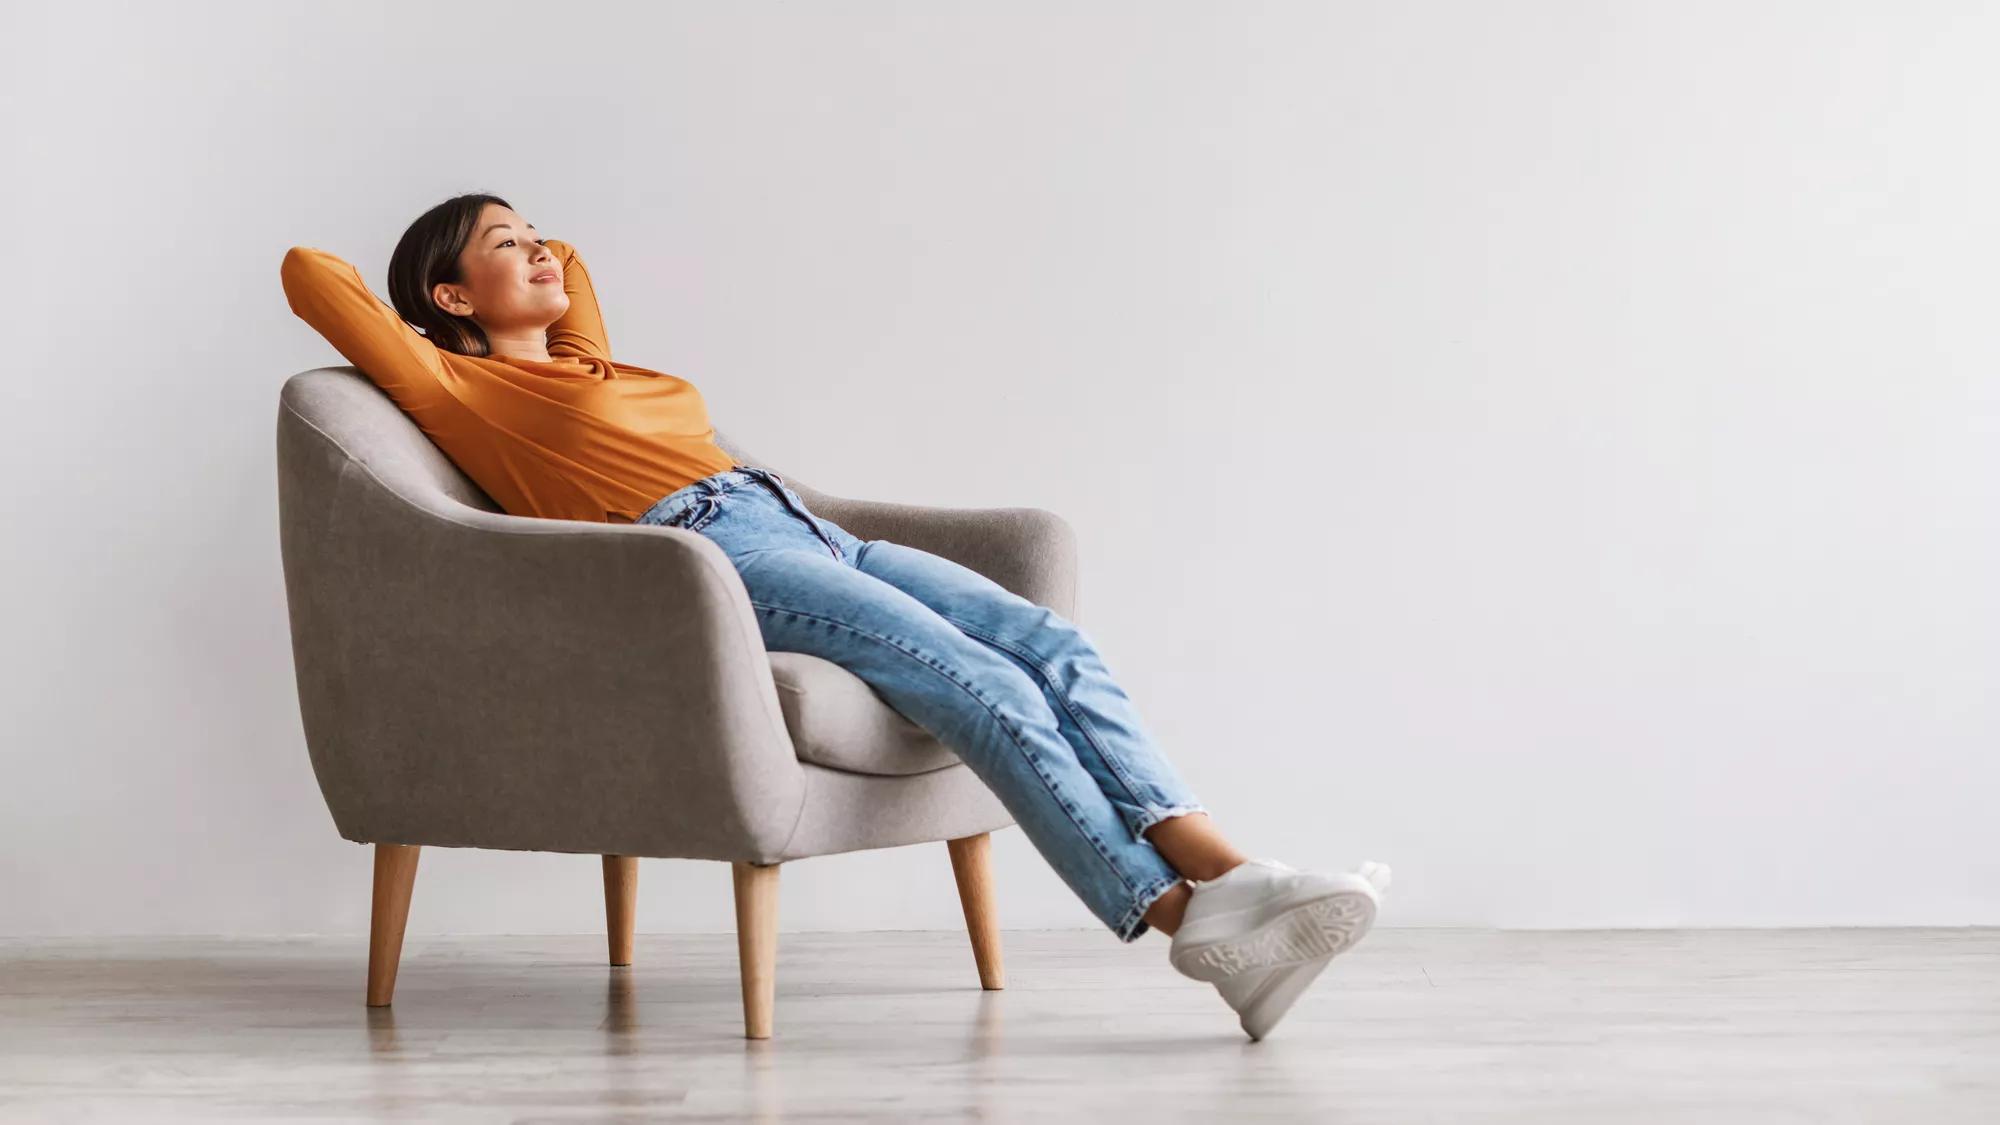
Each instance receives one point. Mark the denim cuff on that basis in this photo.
(1153, 814)
(1133, 924)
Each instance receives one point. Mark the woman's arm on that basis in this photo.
(581, 329)
(329, 294)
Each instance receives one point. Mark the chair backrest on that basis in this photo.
(361, 418)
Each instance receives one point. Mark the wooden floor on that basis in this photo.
(1412, 1026)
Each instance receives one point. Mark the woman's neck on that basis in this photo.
(533, 345)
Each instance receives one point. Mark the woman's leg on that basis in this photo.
(1172, 823)
(975, 701)
(1094, 715)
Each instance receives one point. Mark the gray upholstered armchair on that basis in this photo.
(469, 678)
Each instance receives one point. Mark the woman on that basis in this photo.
(509, 370)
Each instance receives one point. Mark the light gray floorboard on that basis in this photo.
(1413, 1025)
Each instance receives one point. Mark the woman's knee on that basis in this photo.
(812, 604)
(991, 673)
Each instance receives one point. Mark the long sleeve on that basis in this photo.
(329, 294)
(581, 329)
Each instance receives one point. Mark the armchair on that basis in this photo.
(470, 678)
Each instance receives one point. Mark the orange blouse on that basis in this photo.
(582, 437)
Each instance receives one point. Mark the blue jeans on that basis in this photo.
(1012, 688)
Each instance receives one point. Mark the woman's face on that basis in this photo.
(511, 282)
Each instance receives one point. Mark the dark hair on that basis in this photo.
(426, 256)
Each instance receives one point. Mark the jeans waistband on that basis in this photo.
(735, 478)
(670, 506)
(717, 483)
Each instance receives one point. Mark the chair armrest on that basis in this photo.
(477, 679)
(1031, 551)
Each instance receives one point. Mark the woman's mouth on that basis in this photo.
(542, 277)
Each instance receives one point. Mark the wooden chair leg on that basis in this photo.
(971, 867)
(757, 943)
(395, 874)
(621, 902)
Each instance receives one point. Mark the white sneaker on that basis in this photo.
(1261, 997)
(1263, 914)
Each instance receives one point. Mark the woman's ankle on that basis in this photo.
(1218, 869)
(1167, 911)
(1194, 846)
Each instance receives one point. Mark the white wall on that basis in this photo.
(1552, 449)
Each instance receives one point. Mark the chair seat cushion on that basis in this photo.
(836, 720)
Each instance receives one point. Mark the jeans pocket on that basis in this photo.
(697, 515)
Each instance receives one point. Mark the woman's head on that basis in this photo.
(465, 272)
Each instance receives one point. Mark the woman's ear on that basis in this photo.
(451, 299)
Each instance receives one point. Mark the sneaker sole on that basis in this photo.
(1264, 1008)
(1321, 927)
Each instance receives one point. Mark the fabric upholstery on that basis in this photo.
(836, 720)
